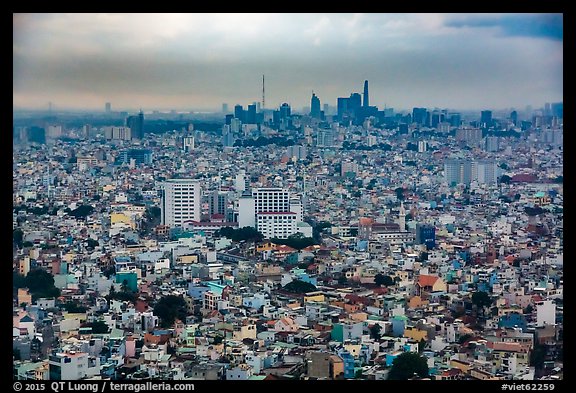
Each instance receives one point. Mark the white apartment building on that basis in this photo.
(181, 201)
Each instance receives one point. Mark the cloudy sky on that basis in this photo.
(199, 61)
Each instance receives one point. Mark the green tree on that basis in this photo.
(381, 279)
(481, 299)
(375, 331)
(17, 237)
(73, 307)
(297, 241)
(98, 327)
(169, 308)
(505, 179)
(406, 365)
(18, 280)
(41, 284)
(299, 286)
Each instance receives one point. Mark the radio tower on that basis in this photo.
(263, 99)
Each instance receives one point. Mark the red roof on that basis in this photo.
(425, 280)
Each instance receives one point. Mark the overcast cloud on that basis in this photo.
(199, 61)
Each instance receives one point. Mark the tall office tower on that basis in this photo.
(343, 107)
(239, 112)
(355, 104)
(181, 201)
(235, 125)
(136, 125)
(224, 108)
(455, 119)
(285, 111)
(251, 114)
(458, 171)
(514, 117)
(486, 118)
(547, 109)
(419, 115)
(218, 203)
(315, 107)
(366, 97)
(227, 136)
(108, 107)
(558, 109)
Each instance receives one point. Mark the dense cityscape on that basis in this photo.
(332, 242)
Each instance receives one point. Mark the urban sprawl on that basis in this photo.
(346, 242)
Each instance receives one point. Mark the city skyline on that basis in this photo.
(200, 61)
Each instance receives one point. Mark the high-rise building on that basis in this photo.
(325, 138)
(315, 111)
(251, 114)
(239, 112)
(426, 234)
(285, 111)
(140, 156)
(419, 115)
(218, 203)
(486, 118)
(485, 171)
(366, 103)
(224, 108)
(242, 182)
(492, 143)
(108, 107)
(297, 151)
(269, 211)
(458, 171)
(136, 125)
(514, 117)
(181, 201)
(355, 104)
(343, 107)
(557, 109)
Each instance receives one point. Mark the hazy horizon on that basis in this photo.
(197, 62)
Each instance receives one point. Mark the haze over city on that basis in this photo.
(200, 61)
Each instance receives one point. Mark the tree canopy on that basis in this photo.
(297, 241)
(245, 233)
(299, 286)
(169, 308)
(381, 279)
(40, 283)
(407, 364)
(481, 299)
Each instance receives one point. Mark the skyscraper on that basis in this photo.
(315, 107)
(108, 107)
(458, 171)
(239, 112)
(136, 125)
(366, 97)
(181, 201)
(486, 118)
